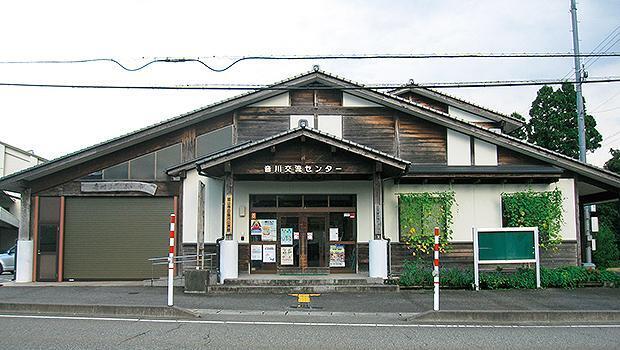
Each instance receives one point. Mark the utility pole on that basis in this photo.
(581, 126)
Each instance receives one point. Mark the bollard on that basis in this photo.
(171, 261)
(436, 271)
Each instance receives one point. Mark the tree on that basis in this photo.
(609, 219)
(519, 133)
(613, 164)
(553, 122)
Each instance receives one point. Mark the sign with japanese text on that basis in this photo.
(300, 168)
(228, 214)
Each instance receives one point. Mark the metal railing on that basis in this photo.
(185, 261)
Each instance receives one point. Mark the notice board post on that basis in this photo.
(508, 245)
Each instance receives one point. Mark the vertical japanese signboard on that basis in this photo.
(228, 215)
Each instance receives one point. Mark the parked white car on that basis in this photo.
(7, 260)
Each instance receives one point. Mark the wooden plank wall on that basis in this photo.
(422, 142)
(373, 131)
(425, 101)
(509, 157)
(251, 127)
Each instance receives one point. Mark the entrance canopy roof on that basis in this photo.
(301, 153)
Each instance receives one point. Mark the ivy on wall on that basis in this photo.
(536, 209)
(419, 214)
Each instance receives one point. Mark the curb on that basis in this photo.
(111, 310)
(302, 312)
(519, 316)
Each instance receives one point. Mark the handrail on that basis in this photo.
(181, 259)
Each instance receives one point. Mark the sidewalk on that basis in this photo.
(407, 301)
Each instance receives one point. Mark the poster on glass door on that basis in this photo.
(286, 255)
(269, 253)
(336, 255)
(286, 236)
(268, 229)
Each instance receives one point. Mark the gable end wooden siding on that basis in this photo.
(425, 101)
(251, 127)
(422, 142)
(373, 131)
(508, 157)
(316, 97)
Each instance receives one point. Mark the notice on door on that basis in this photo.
(268, 229)
(333, 233)
(269, 253)
(286, 236)
(286, 255)
(336, 255)
(256, 252)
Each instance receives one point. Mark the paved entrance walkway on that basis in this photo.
(584, 299)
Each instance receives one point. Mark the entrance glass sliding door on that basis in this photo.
(316, 241)
(303, 233)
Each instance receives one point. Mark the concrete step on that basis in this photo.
(284, 289)
(303, 282)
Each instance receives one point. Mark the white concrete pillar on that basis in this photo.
(378, 258)
(25, 260)
(229, 260)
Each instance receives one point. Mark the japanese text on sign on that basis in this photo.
(300, 169)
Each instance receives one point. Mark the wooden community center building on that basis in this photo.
(302, 177)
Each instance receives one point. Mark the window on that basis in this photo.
(167, 158)
(142, 168)
(117, 172)
(150, 166)
(213, 141)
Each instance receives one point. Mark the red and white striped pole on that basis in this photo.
(436, 271)
(171, 261)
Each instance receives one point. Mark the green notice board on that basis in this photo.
(506, 245)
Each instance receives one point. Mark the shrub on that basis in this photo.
(457, 278)
(419, 274)
(416, 274)
(606, 252)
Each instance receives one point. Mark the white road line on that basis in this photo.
(312, 324)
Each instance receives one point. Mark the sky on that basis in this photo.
(54, 122)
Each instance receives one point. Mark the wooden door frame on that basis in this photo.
(322, 258)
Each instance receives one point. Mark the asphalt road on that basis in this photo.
(31, 332)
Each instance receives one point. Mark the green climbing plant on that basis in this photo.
(536, 209)
(419, 214)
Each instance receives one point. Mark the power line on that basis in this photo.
(202, 60)
(445, 85)
(602, 42)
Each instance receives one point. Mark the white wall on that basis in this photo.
(294, 121)
(349, 100)
(363, 190)
(214, 190)
(213, 209)
(190, 206)
(466, 116)
(478, 206)
(14, 161)
(485, 153)
(459, 148)
(282, 100)
(331, 124)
